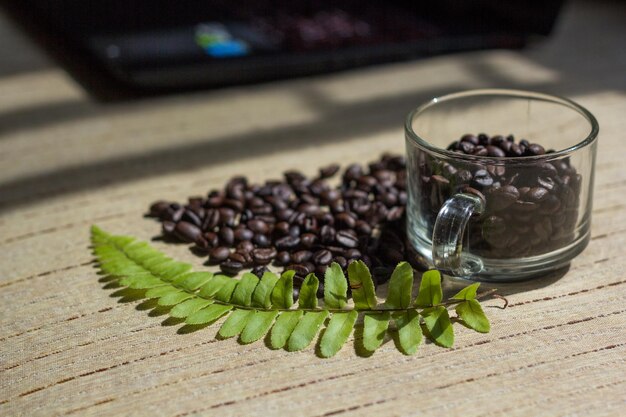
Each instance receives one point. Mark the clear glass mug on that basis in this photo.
(494, 218)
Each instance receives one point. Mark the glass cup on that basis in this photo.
(499, 218)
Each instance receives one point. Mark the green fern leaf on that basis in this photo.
(467, 293)
(283, 327)
(430, 292)
(208, 314)
(400, 287)
(262, 296)
(211, 287)
(305, 330)
(188, 307)
(257, 326)
(335, 287)
(337, 332)
(439, 327)
(226, 292)
(162, 291)
(409, 331)
(235, 323)
(282, 294)
(173, 298)
(363, 292)
(473, 315)
(243, 292)
(374, 328)
(308, 292)
(192, 280)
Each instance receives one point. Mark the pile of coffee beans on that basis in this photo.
(531, 207)
(298, 223)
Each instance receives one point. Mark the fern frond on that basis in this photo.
(255, 307)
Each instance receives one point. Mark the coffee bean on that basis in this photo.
(168, 227)
(480, 151)
(258, 226)
(245, 246)
(259, 270)
(261, 241)
(238, 257)
(231, 267)
(463, 176)
(466, 147)
(481, 179)
(263, 255)
(345, 220)
(347, 238)
(308, 240)
(242, 234)
(327, 234)
(300, 269)
(470, 138)
(322, 257)
(283, 258)
(536, 194)
(534, 149)
(301, 256)
(329, 171)
(343, 262)
(218, 254)
(502, 197)
(187, 232)
(227, 236)
(287, 242)
(494, 151)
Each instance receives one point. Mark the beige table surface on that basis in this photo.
(67, 346)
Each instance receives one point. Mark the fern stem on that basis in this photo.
(447, 303)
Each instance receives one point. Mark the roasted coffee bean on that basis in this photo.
(158, 207)
(218, 254)
(227, 236)
(261, 241)
(481, 179)
(347, 238)
(345, 220)
(474, 192)
(300, 269)
(353, 254)
(288, 242)
(536, 194)
(211, 219)
(211, 238)
(503, 197)
(327, 234)
(301, 256)
(227, 216)
(329, 171)
(245, 246)
(238, 257)
(258, 226)
(463, 176)
(308, 240)
(187, 232)
(515, 150)
(495, 151)
(362, 227)
(243, 234)
(497, 140)
(231, 267)
(322, 257)
(343, 262)
(466, 147)
(259, 270)
(263, 255)
(480, 151)
(283, 258)
(470, 138)
(534, 149)
(168, 227)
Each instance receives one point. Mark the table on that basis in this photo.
(68, 346)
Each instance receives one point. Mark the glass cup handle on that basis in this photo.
(448, 235)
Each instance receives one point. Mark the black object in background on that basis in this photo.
(115, 48)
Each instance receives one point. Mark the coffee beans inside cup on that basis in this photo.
(531, 207)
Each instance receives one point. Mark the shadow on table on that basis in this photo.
(587, 41)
